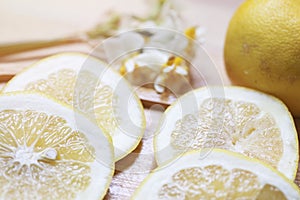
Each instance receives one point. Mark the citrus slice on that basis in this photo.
(216, 174)
(47, 151)
(233, 118)
(92, 88)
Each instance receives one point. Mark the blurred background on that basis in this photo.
(30, 20)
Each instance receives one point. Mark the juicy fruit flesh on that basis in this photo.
(83, 92)
(42, 157)
(233, 125)
(215, 182)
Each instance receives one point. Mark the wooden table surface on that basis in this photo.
(213, 14)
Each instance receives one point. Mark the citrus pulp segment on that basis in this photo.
(47, 151)
(233, 118)
(216, 174)
(91, 87)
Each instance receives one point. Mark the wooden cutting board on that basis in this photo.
(214, 15)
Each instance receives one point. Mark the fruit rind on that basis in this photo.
(128, 134)
(191, 101)
(103, 166)
(228, 160)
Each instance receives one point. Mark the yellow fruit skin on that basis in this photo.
(262, 49)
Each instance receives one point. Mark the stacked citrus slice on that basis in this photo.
(89, 86)
(232, 118)
(216, 174)
(47, 151)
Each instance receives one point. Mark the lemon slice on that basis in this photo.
(233, 118)
(216, 174)
(92, 88)
(47, 151)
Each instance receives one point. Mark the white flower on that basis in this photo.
(155, 57)
(200, 33)
(174, 76)
(122, 44)
(143, 68)
(196, 33)
(157, 69)
(168, 40)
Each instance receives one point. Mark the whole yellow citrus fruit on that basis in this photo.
(262, 49)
